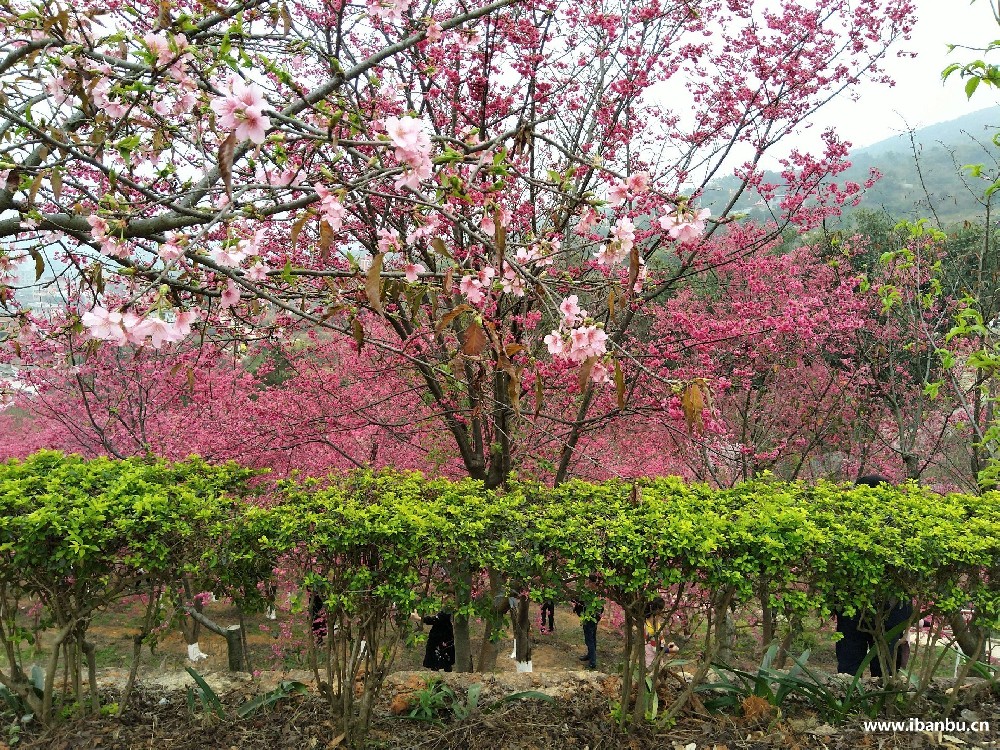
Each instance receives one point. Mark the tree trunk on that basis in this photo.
(724, 629)
(521, 620)
(233, 635)
(463, 644)
(970, 637)
(463, 634)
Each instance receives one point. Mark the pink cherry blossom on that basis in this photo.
(257, 272)
(158, 331)
(411, 177)
(556, 344)
(228, 256)
(388, 241)
(427, 230)
(409, 136)
(638, 183)
(434, 33)
(159, 47)
(617, 194)
(624, 233)
(512, 282)
(230, 295)
(629, 188)
(183, 321)
(412, 271)
(98, 227)
(105, 325)
(685, 225)
(587, 221)
(390, 11)
(171, 250)
(472, 288)
(571, 311)
(252, 247)
(600, 374)
(241, 109)
(412, 145)
(330, 207)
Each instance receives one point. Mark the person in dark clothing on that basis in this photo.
(589, 622)
(317, 617)
(548, 607)
(440, 654)
(859, 630)
(859, 639)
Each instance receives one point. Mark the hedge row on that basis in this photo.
(79, 534)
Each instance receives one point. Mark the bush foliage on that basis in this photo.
(78, 535)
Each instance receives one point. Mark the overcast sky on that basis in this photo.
(919, 97)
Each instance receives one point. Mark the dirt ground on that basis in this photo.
(159, 716)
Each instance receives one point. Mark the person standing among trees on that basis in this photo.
(440, 653)
(859, 629)
(548, 608)
(589, 617)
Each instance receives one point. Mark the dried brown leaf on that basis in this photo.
(693, 403)
(585, 371)
(473, 340)
(297, 229)
(633, 269)
(325, 239)
(358, 332)
(450, 316)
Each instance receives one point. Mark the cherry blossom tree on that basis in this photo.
(435, 182)
(495, 198)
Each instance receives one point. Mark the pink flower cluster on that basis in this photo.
(172, 249)
(413, 270)
(577, 340)
(159, 46)
(390, 11)
(245, 248)
(588, 220)
(634, 185)
(100, 228)
(621, 244)
(475, 288)
(330, 207)
(230, 295)
(129, 328)
(412, 145)
(241, 108)
(542, 253)
(488, 224)
(685, 224)
(512, 281)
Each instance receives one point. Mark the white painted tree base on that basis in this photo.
(195, 653)
(524, 666)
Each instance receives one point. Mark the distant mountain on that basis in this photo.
(905, 191)
(979, 126)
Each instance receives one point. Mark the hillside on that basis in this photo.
(939, 184)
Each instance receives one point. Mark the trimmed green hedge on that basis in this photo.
(76, 533)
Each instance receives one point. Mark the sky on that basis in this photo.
(919, 98)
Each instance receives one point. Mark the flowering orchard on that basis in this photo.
(493, 200)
